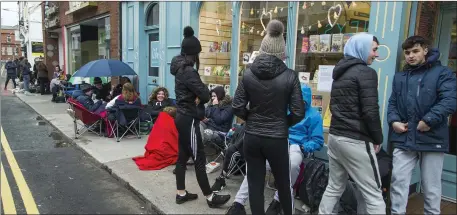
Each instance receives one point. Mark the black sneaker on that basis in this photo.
(274, 208)
(218, 200)
(236, 209)
(187, 197)
(218, 185)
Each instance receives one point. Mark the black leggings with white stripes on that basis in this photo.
(190, 144)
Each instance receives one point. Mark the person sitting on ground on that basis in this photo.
(162, 145)
(56, 86)
(304, 137)
(86, 98)
(218, 116)
(158, 101)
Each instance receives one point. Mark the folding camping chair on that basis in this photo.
(91, 122)
(132, 119)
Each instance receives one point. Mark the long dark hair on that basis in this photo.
(195, 59)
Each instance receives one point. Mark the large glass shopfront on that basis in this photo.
(88, 41)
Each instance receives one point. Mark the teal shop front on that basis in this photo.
(231, 33)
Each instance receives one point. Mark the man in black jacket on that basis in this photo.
(191, 94)
(270, 89)
(355, 129)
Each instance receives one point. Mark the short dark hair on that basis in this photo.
(413, 40)
(375, 39)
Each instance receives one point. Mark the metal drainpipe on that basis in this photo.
(119, 38)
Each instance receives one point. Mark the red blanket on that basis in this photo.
(162, 145)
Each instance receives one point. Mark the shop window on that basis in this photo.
(8, 39)
(215, 34)
(9, 50)
(74, 50)
(323, 29)
(153, 15)
(104, 38)
(254, 19)
(426, 20)
(3, 51)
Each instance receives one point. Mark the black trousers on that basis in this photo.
(190, 144)
(257, 150)
(44, 85)
(231, 158)
(8, 80)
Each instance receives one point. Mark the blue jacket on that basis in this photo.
(88, 103)
(10, 67)
(220, 116)
(308, 133)
(427, 92)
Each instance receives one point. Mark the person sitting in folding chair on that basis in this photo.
(86, 99)
(233, 154)
(305, 137)
(128, 99)
(218, 117)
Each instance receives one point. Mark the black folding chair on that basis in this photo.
(132, 119)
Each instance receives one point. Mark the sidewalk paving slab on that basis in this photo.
(156, 188)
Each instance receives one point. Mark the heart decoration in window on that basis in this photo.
(261, 21)
(334, 9)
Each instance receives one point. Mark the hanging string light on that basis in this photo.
(252, 11)
(303, 30)
(261, 34)
(323, 3)
(335, 15)
(243, 26)
(309, 27)
(304, 5)
(354, 4)
(319, 25)
(276, 9)
(312, 3)
(252, 30)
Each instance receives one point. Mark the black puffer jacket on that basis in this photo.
(188, 86)
(271, 89)
(354, 101)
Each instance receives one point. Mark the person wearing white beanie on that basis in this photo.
(269, 99)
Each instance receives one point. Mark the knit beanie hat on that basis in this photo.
(190, 44)
(273, 43)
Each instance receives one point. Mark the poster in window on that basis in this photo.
(314, 43)
(325, 42)
(304, 77)
(246, 57)
(325, 80)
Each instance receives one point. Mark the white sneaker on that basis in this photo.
(71, 112)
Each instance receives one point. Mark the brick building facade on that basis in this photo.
(10, 48)
(59, 17)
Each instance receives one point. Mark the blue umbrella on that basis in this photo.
(104, 68)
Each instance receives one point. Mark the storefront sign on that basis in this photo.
(37, 49)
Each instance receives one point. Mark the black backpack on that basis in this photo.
(312, 187)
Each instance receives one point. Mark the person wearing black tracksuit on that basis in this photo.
(269, 89)
(191, 95)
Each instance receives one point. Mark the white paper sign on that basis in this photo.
(304, 77)
(325, 79)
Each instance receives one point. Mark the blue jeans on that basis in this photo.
(26, 79)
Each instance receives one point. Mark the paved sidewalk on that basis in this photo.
(157, 188)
